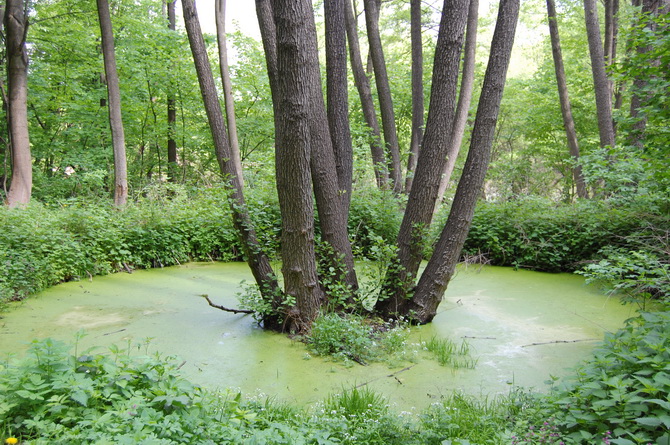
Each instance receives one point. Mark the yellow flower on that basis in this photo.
(11, 440)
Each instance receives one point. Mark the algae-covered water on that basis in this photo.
(523, 327)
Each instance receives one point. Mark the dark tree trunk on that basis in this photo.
(417, 91)
(432, 158)
(441, 267)
(566, 110)
(363, 86)
(220, 16)
(16, 24)
(173, 167)
(256, 258)
(114, 105)
(384, 92)
(338, 97)
(464, 98)
(332, 218)
(600, 81)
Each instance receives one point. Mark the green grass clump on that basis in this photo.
(447, 352)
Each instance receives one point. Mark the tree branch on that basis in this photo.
(234, 311)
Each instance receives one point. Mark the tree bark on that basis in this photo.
(338, 97)
(441, 267)
(114, 105)
(256, 258)
(566, 109)
(432, 158)
(464, 97)
(417, 91)
(384, 93)
(293, 160)
(220, 17)
(600, 81)
(16, 24)
(173, 167)
(367, 104)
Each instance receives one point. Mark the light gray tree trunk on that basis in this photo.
(16, 24)
(384, 93)
(173, 166)
(600, 80)
(367, 104)
(464, 98)
(417, 91)
(220, 18)
(566, 109)
(114, 105)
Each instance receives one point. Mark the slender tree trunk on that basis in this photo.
(566, 109)
(384, 92)
(441, 267)
(256, 258)
(173, 166)
(16, 24)
(600, 80)
(338, 97)
(417, 91)
(464, 98)
(220, 16)
(363, 86)
(439, 125)
(114, 105)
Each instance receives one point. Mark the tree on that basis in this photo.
(114, 105)
(566, 109)
(364, 92)
(601, 82)
(220, 14)
(256, 258)
(417, 91)
(171, 108)
(464, 97)
(384, 92)
(16, 24)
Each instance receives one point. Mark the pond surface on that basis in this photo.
(522, 327)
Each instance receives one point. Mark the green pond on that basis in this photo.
(523, 327)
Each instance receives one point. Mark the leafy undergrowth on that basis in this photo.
(621, 396)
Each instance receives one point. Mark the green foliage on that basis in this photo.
(374, 220)
(352, 338)
(449, 353)
(545, 236)
(621, 395)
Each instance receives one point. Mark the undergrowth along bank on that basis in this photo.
(46, 244)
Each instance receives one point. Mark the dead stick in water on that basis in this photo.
(223, 308)
(559, 341)
(390, 375)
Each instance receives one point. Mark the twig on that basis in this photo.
(559, 341)
(234, 311)
(114, 332)
(479, 338)
(389, 376)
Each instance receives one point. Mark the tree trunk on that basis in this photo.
(566, 110)
(600, 80)
(16, 24)
(220, 16)
(384, 92)
(256, 258)
(363, 86)
(441, 267)
(332, 218)
(293, 159)
(417, 91)
(173, 167)
(114, 105)
(464, 98)
(338, 97)
(432, 158)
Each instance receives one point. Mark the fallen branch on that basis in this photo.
(479, 338)
(390, 375)
(559, 341)
(223, 308)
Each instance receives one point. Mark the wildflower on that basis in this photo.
(11, 440)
